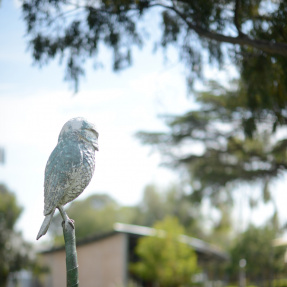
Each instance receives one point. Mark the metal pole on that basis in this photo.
(242, 275)
(71, 256)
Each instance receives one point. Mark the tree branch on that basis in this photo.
(236, 18)
(265, 46)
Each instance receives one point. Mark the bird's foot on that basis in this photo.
(68, 222)
(64, 215)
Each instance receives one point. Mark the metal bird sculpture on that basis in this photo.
(69, 169)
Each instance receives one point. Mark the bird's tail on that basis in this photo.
(45, 225)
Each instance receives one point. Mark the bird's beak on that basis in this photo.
(95, 144)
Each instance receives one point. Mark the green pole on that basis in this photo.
(71, 256)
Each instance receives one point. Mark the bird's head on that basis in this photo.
(81, 129)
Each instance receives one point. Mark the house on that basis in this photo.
(104, 259)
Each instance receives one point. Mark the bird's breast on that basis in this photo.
(89, 162)
(82, 177)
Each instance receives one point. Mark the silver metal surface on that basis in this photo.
(69, 169)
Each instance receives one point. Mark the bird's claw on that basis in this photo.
(72, 223)
(68, 221)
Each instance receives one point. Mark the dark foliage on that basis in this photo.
(264, 260)
(217, 152)
(15, 253)
(234, 127)
(255, 32)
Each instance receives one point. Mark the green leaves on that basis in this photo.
(164, 258)
(195, 27)
(221, 144)
(171, 28)
(9, 209)
(93, 215)
(256, 245)
(74, 32)
(15, 253)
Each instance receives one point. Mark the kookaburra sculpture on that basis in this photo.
(69, 169)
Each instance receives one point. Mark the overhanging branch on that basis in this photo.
(242, 40)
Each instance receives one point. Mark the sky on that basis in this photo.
(36, 102)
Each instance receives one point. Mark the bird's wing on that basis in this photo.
(61, 169)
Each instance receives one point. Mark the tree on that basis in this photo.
(97, 213)
(264, 261)
(227, 152)
(93, 215)
(151, 207)
(252, 34)
(158, 203)
(164, 259)
(15, 253)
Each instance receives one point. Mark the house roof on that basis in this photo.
(83, 241)
(137, 230)
(195, 243)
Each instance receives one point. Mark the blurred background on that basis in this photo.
(190, 103)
